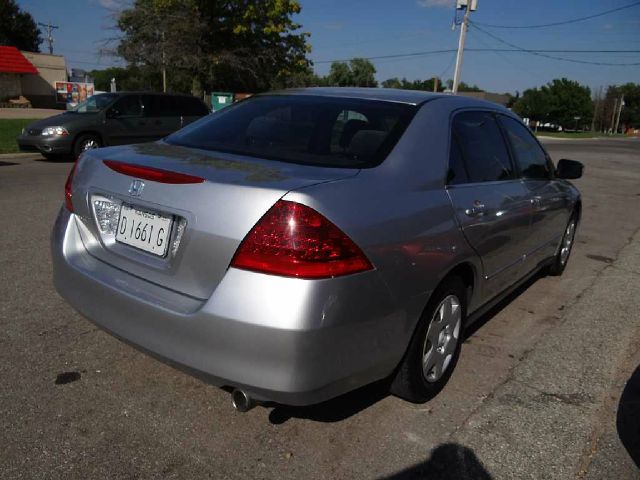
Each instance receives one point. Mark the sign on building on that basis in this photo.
(73, 93)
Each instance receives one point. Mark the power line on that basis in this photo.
(505, 59)
(564, 22)
(449, 65)
(543, 53)
(513, 49)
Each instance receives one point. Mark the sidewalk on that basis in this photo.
(555, 416)
(11, 113)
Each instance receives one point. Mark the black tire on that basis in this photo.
(86, 142)
(410, 381)
(560, 261)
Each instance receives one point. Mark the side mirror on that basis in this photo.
(112, 113)
(569, 169)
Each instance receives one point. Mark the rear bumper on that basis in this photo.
(47, 145)
(291, 341)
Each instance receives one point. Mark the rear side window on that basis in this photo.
(323, 131)
(128, 106)
(155, 106)
(173, 106)
(478, 152)
(192, 107)
(530, 156)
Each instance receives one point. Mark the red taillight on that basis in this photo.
(296, 241)
(150, 173)
(67, 188)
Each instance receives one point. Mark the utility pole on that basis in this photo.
(469, 6)
(618, 115)
(164, 67)
(613, 114)
(49, 34)
(596, 107)
(435, 84)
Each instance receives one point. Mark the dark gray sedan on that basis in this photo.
(301, 244)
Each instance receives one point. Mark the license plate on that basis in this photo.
(147, 231)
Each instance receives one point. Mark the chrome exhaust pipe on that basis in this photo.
(242, 402)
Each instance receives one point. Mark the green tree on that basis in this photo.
(465, 87)
(558, 102)
(359, 72)
(568, 100)
(534, 104)
(300, 79)
(239, 45)
(340, 75)
(425, 85)
(363, 73)
(392, 83)
(17, 27)
(132, 77)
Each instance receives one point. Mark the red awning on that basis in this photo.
(12, 61)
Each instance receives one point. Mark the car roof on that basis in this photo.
(410, 97)
(147, 92)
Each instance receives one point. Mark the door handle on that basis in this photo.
(536, 202)
(477, 210)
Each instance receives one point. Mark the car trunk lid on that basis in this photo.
(210, 218)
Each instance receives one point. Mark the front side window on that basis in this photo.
(323, 131)
(530, 156)
(478, 152)
(94, 103)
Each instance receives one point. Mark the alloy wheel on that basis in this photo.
(567, 241)
(442, 338)
(89, 144)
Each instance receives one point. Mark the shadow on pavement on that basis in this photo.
(57, 159)
(449, 461)
(498, 307)
(336, 409)
(628, 418)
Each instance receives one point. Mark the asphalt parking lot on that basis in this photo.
(548, 386)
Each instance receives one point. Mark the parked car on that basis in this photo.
(111, 119)
(298, 245)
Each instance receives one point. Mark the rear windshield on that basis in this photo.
(322, 131)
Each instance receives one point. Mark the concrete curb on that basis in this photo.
(20, 156)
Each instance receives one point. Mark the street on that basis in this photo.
(538, 392)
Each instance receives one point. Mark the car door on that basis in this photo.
(489, 200)
(160, 115)
(124, 122)
(549, 200)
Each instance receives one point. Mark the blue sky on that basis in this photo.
(342, 29)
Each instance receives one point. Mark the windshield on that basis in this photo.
(323, 131)
(94, 103)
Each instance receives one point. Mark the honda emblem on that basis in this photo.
(136, 188)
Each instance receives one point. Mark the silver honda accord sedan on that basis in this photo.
(300, 244)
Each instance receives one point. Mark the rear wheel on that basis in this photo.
(566, 244)
(86, 142)
(435, 346)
